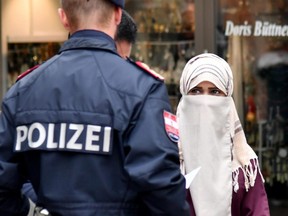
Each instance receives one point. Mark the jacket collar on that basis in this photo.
(89, 39)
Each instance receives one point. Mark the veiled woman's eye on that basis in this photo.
(216, 92)
(195, 91)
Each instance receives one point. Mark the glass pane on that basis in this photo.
(253, 39)
(22, 56)
(165, 39)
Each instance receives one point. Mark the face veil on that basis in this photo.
(205, 141)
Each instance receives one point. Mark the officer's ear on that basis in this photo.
(63, 19)
(118, 15)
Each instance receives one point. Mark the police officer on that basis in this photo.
(92, 132)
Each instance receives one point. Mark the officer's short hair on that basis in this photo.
(99, 10)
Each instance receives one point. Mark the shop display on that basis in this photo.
(22, 56)
(272, 68)
(165, 39)
(257, 51)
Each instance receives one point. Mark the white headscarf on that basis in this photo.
(207, 67)
(211, 136)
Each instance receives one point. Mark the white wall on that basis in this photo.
(31, 20)
(28, 21)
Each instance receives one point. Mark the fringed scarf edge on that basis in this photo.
(250, 171)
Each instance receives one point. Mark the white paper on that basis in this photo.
(190, 176)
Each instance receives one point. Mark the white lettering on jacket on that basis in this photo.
(64, 136)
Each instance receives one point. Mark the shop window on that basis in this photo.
(256, 46)
(22, 56)
(165, 39)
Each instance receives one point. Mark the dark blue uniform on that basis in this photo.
(86, 128)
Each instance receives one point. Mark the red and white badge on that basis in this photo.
(171, 126)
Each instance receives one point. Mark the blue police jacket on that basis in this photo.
(86, 128)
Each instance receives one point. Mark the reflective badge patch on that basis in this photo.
(171, 126)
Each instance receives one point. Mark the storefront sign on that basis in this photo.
(260, 28)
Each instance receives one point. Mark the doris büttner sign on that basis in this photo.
(259, 28)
